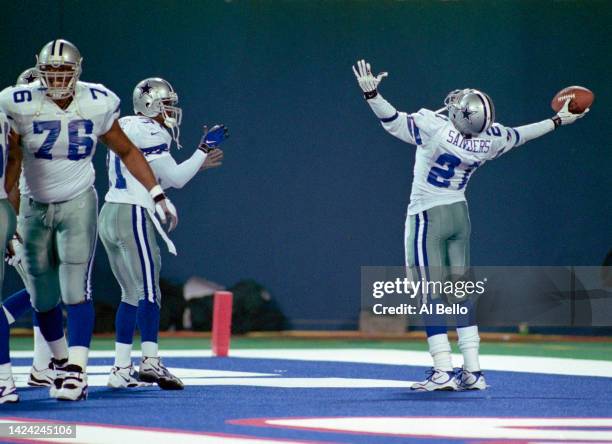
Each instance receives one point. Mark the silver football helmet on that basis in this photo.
(59, 67)
(28, 76)
(471, 111)
(155, 96)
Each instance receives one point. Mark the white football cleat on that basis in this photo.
(43, 377)
(73, 386)
(152, 370)
(124, 377)
(467, 380)
(59, 366)
(8, 391)
(437, 380)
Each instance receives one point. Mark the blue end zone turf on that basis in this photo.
(210, 407)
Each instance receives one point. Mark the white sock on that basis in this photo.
(123, 354)
(42, 352)
(469, 343)
(78, 355)
(440, 351)
(149, 349)
(5, 370)
(59, 348)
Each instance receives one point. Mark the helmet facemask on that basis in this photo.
(453, 97)
(59, 67)
(60, 83)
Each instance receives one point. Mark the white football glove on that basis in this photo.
(165, 210)
(565, 117)
(14, 251)
(366, 79)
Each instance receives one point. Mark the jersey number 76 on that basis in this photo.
(75, 139)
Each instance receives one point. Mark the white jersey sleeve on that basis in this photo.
(532, 131)
(424, 125)
(149, 136)
(113, 109)
(5, 105)
(503, 139)
(173, 175)
(507, 138)
(153, 141)
(417, 128)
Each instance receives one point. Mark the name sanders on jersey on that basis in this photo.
(471, 145)
(406, 309)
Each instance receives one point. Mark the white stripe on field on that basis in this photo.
(510, 363)
(99, 434)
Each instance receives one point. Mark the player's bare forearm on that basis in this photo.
(14, 197)
(13, 165)
(131, 156)
(135, 162)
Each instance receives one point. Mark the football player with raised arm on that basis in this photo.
(55, 127)
(448, 151)
(128, 227)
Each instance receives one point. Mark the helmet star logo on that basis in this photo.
(30, 78)
(467, 113)
(145, 89)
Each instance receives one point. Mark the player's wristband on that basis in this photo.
(205, 148)
(557, 121)
(370, 94)
(157, 193)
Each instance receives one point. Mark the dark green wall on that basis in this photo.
(312, 187)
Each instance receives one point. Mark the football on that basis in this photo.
(581, 99)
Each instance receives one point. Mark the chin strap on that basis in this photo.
(176, 134)
(174, 126)
(175, 130)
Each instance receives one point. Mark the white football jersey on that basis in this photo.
(445, 160)
(154, 142)
(58, 145)
(5, 128)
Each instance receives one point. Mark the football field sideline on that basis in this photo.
(574, 350)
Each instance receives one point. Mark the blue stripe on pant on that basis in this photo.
(139, 222)
(138, 245)
(435, 324)
(149, 255)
